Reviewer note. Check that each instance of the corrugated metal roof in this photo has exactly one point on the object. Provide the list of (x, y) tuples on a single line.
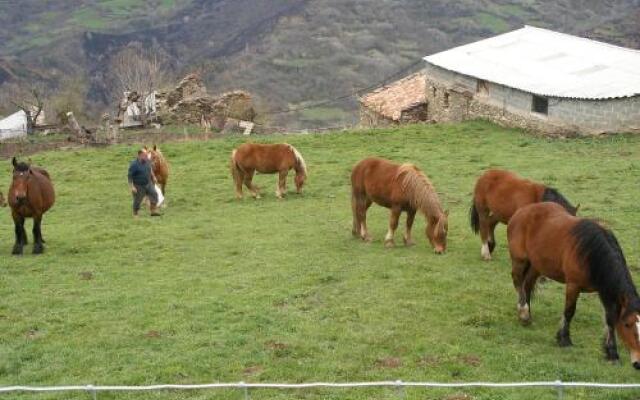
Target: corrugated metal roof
[(548, 63)]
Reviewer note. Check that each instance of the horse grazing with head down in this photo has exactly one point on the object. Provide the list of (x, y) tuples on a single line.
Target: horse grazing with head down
[(545, 240), (248, 158), (400, 188), (160, 166), (31, 194), (498, 194)]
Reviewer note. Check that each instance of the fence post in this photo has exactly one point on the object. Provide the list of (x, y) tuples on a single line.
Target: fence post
[(245, 390), (560, 389), (400, 389), (91, 389)]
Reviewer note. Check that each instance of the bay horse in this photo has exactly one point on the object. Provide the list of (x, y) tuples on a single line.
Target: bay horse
[(498, 194), (546, 240), (31, 194), (399, 187), (248, 158), (160, 166)]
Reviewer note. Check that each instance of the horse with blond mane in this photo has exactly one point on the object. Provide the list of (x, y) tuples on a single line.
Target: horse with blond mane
[(248, 158), (399, 187), (160, 166)]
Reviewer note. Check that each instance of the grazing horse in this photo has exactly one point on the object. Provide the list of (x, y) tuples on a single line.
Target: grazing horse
[(545, 240), (267, 159), (160, 166), (31, 194), (498, 195), (400, 188)]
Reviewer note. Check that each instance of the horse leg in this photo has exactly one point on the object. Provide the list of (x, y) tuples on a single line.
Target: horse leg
[(38, 248), (571, 293), (20, 234), (362, 207), (486, 233), (355, 230), (411, 215), (281, 186), (248, 178), (238, 180), (492, 237), (519, 270), (393, 225), (609, 345), (529, 283)]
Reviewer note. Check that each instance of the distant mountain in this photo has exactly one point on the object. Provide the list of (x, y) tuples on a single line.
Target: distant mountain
[(289, 53)]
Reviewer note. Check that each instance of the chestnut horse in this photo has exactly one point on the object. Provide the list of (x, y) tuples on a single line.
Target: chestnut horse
[(31, 194), (498, 195), (267, 159), (545, 240), (160, 166), (400, 188)]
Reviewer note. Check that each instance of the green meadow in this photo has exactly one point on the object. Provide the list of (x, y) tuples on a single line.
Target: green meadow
[(221, 290)]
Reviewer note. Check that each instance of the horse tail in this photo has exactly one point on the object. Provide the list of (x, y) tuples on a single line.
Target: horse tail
[(236, 171), (474, 217), (300, 164)]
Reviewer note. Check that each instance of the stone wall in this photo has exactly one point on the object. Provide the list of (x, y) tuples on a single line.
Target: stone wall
[(456, 97)]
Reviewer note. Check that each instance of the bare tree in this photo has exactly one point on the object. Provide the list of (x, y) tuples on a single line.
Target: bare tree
[(28, 98), (135, 69)]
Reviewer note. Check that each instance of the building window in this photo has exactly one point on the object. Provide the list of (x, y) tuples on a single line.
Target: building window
[(446, 99), (540, 105), (482, 88)]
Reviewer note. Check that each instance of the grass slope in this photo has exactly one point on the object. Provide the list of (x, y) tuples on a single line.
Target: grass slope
[(226, 290)]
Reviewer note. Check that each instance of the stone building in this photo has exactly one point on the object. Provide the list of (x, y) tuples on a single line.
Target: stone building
[(402, 101), (538, 80)]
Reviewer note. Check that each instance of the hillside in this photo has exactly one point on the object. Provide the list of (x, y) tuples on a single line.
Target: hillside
[(278, 290), (287, 52)]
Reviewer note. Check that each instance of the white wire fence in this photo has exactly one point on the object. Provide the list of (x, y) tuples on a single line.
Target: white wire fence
[(93, 391)]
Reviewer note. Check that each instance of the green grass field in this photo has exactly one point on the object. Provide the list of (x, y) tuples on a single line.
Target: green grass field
[(262, 291)]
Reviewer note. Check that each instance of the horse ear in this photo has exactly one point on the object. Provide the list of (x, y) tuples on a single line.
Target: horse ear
[(145, 148), (155, 147), (29, 162), (14, 162), (446, 212), (577, 207)]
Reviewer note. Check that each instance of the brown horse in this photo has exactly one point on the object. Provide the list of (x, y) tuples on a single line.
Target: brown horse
[(498, 195), (400, 188), (267, 159), (545, 240), (160, 166), (31, 194)]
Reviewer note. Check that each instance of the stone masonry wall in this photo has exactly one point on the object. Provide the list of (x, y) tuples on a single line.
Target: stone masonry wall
[(455, 97)]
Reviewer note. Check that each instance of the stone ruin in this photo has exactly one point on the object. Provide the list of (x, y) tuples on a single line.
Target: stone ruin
[(190, 103)]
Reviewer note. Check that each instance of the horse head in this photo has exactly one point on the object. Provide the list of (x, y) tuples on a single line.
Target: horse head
[(437, 230), (628, 328), (19, 186), (301, 176)]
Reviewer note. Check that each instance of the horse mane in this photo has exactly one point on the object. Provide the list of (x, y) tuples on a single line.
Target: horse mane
[(419, 189), (301, 166), (553, 195), (607, 265)]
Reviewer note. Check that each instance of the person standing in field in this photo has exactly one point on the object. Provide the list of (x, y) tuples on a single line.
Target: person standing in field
[(142, 183)]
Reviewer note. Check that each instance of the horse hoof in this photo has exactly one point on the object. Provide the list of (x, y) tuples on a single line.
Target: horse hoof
[(563, 341), (389, 244), (367, 239), (409, 243), (17, 251), (38, 249)]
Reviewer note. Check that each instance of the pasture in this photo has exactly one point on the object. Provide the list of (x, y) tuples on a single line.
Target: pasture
[(278, 290)]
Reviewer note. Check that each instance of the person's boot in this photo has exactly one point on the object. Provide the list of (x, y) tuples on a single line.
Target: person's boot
[(154, 211)]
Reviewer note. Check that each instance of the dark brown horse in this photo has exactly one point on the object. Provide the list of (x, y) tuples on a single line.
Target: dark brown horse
[(267, 159), (498, 195), (400, 188), (545, 240), (31, 194)]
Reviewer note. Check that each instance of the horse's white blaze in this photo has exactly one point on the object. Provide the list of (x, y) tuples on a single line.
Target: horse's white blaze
[(638, 326), (486, 254)]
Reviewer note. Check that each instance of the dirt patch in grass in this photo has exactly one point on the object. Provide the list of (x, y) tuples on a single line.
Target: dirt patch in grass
[(388, 362)]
